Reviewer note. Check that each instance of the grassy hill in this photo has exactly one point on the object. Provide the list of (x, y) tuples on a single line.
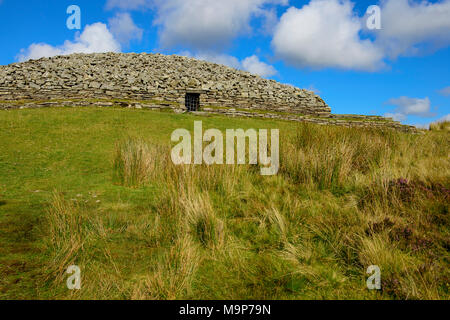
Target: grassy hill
[(96, 188)]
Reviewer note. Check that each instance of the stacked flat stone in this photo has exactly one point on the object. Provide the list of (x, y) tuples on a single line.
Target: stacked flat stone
[(151, 77)]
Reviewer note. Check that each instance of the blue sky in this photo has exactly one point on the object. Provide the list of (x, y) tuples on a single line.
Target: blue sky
[(401, 70)]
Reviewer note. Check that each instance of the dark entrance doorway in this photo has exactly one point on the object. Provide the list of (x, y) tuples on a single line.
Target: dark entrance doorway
[(192, 101)]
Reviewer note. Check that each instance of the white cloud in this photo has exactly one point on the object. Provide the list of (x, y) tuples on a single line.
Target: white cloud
[(406, 106), (396, 116), (123, 28), (254, 65), (313, 88), (127, 4), (207, 24), (38, 50), (413, 106), (444, 118), (422, 126), (325, 33), (321, 34), (413, 27), (94, 38), (224, 59), (427, 125), (251, 64), (270, 20), (445, 92)]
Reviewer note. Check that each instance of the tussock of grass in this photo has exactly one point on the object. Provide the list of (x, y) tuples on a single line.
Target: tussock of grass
[(132, 163), (440, 126), (172, 276), (201, 220), (326, 156), (67, 226)]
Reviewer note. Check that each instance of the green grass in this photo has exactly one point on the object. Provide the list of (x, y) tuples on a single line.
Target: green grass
[(440, 126), (89, 100), (95, 187), (307, 116)]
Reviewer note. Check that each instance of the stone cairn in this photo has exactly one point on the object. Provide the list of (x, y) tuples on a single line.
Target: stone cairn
[(156, 81)]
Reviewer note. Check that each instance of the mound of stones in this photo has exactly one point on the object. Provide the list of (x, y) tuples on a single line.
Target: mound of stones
[(156, 81), (151, 77)]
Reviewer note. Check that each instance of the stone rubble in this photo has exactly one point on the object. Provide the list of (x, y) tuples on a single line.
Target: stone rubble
[(151, 77), (155, 81)]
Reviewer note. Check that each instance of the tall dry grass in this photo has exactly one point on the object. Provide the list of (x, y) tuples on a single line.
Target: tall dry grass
[(344, 199), (327, 156), (440, 126), (133, 163), (67, 226), (172, 276)]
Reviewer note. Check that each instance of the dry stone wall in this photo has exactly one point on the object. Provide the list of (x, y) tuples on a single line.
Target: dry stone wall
[(157, 82), (151, 77)]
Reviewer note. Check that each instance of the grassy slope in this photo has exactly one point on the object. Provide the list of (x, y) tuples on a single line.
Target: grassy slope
[(219, 232)]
